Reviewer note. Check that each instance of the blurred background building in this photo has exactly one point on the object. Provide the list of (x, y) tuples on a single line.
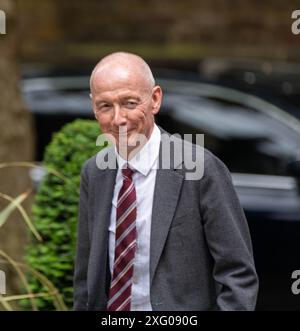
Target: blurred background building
[(54, 31)]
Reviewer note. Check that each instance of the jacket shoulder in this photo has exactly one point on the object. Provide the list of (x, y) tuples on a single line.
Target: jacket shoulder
[(91, 165)]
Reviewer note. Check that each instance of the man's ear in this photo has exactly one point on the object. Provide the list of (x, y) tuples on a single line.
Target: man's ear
[(156, 99), (91, 97)]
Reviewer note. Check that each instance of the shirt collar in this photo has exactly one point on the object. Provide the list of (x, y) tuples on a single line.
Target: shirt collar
[(145, 159)]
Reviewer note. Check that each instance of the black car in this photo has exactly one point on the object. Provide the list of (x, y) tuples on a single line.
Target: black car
[(258, 141)]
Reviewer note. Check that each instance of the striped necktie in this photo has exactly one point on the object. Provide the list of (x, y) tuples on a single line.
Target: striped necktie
[(120, 288)]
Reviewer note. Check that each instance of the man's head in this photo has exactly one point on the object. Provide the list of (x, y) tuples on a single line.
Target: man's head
[(125, 97)]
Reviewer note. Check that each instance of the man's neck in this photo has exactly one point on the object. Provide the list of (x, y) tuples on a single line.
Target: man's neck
[(129, 152)]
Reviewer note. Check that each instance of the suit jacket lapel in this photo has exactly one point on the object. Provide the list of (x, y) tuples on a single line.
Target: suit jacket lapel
[(166, 192)]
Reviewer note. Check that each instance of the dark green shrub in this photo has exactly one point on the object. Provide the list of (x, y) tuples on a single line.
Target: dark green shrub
[(55, 209)]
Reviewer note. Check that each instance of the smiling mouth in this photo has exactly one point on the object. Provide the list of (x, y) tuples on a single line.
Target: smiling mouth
[(122, 133)]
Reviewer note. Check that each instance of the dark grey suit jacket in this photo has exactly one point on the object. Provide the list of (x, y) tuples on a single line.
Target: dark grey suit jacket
[(200, 252)]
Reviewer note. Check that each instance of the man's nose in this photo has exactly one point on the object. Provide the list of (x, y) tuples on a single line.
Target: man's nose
[(119, 116)]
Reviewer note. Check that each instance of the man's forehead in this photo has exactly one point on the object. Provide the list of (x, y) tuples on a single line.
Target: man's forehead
[(118, 80), (117, 93), (120, 69), (117, 85)]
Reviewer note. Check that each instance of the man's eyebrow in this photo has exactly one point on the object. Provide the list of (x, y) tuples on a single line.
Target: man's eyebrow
[(122, 98), (100, 102), (131, 97)]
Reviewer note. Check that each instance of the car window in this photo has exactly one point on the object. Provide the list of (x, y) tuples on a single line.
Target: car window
[(244, 138)]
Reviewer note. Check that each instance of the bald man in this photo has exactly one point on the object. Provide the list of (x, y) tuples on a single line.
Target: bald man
[(148, 237)]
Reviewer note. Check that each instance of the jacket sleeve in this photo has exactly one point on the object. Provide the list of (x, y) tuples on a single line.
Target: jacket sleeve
[(83, 247), (228, 238)]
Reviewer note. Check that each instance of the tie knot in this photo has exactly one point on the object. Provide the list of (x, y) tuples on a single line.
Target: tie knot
[(127, 173)]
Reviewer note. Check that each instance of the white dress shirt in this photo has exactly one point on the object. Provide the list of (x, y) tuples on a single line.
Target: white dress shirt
[(145, 163)]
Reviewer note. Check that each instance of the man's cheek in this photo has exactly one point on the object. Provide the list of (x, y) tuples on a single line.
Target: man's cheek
[(141, 114)]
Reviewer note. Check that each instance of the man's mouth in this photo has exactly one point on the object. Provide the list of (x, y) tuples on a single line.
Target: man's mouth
[(122, 133)]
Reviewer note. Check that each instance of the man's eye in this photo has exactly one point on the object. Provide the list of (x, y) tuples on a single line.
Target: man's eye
[(131, 104), (104, 107)]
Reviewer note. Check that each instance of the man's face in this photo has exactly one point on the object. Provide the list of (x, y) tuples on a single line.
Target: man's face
[(125, 106)]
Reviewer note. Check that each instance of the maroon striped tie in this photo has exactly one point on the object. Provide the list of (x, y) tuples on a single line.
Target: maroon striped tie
[(120, 288)]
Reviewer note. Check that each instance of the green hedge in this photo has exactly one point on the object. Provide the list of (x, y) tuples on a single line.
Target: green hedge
[(55, 209)]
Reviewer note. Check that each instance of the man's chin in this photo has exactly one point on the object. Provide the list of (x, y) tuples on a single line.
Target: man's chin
[(131, 145)]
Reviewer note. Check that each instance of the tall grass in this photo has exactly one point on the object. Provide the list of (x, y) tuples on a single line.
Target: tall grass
[(21, 269)]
